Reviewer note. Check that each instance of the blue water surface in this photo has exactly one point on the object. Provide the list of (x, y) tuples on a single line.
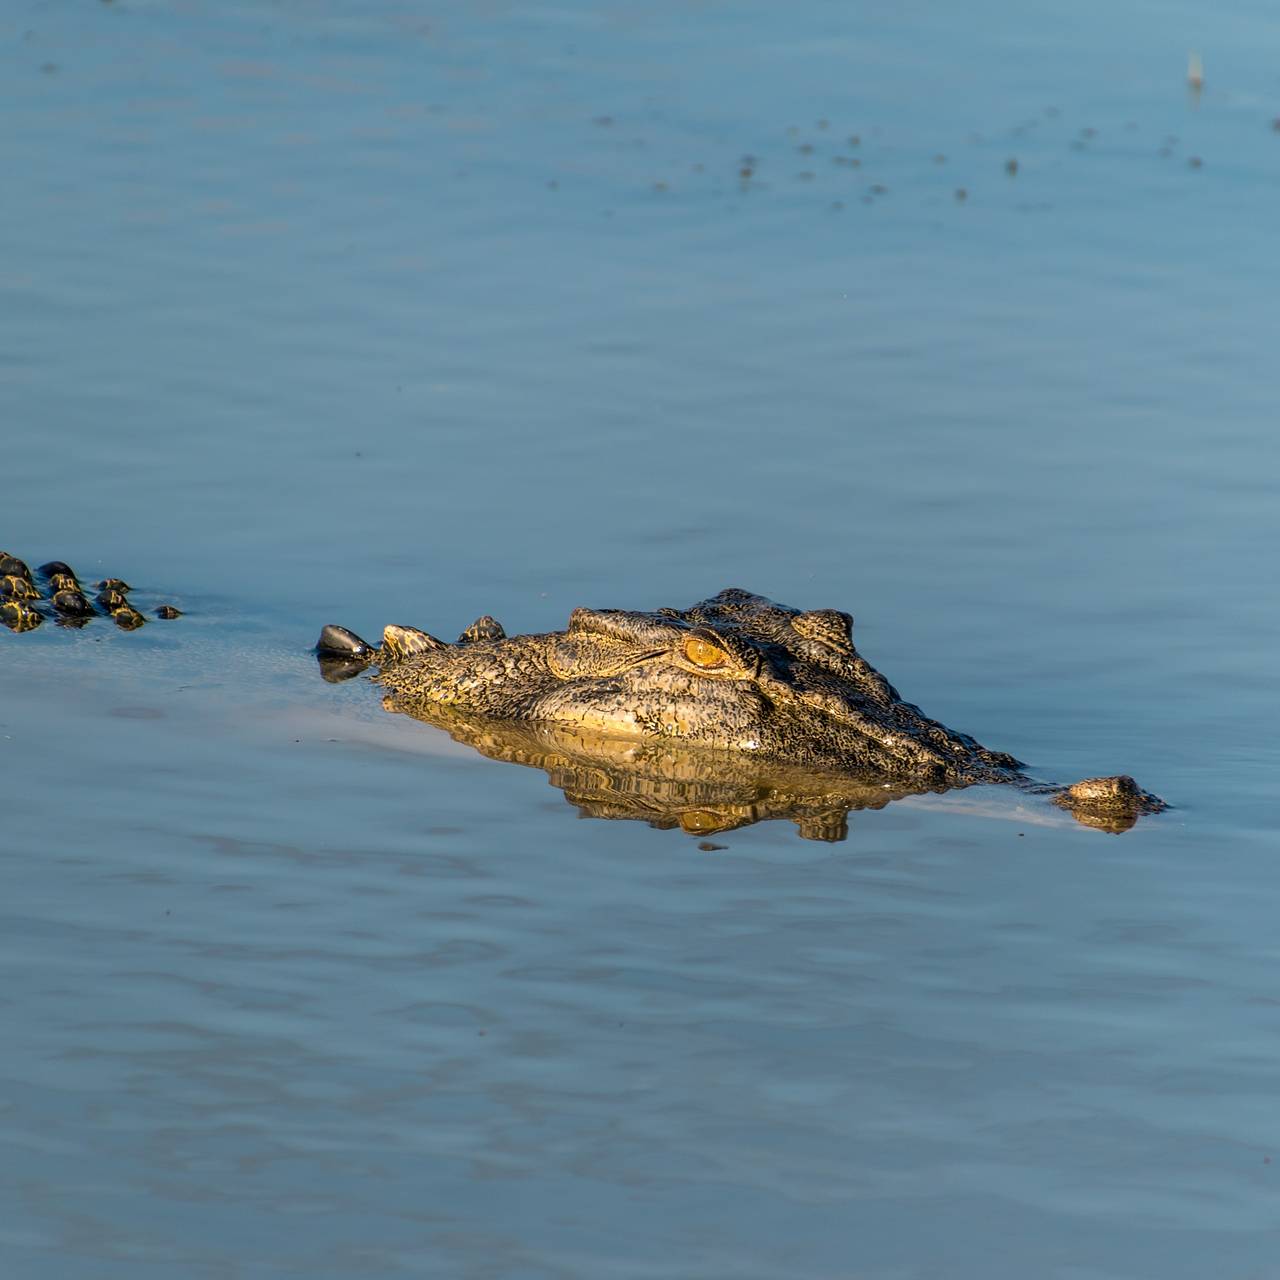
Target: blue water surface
[(960, 318)]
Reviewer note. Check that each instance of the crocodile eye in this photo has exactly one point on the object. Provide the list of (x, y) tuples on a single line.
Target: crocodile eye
[(704, 654)]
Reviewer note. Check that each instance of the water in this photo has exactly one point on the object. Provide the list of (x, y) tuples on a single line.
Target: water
[(363, 314)]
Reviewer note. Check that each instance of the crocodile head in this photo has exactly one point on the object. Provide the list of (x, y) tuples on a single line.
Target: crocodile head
[(735, 672)]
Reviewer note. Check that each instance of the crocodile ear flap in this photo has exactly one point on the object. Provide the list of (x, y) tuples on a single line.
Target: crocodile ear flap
[(829, 627), (400, 642)]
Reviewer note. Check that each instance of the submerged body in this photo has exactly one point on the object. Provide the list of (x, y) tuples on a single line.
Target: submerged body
[(734, 673)]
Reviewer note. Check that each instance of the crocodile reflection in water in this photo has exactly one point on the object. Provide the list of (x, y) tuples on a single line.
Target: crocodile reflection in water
[(771, 695), (702, 792)]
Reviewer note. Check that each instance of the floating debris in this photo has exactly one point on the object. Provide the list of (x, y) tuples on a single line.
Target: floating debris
[(1195, 70), (1011, 167)]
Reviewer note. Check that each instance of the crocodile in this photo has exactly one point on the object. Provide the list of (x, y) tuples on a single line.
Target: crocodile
[(736, 675), (55, 590)]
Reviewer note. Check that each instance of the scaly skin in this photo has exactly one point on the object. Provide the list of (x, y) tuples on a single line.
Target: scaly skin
[(733, 673), (26, 599)]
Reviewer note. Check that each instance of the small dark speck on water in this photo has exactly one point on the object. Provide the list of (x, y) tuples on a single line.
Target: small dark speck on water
[(1195, 162), (961, 194), (1011, 167), (1275, 125), (708, 846)]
